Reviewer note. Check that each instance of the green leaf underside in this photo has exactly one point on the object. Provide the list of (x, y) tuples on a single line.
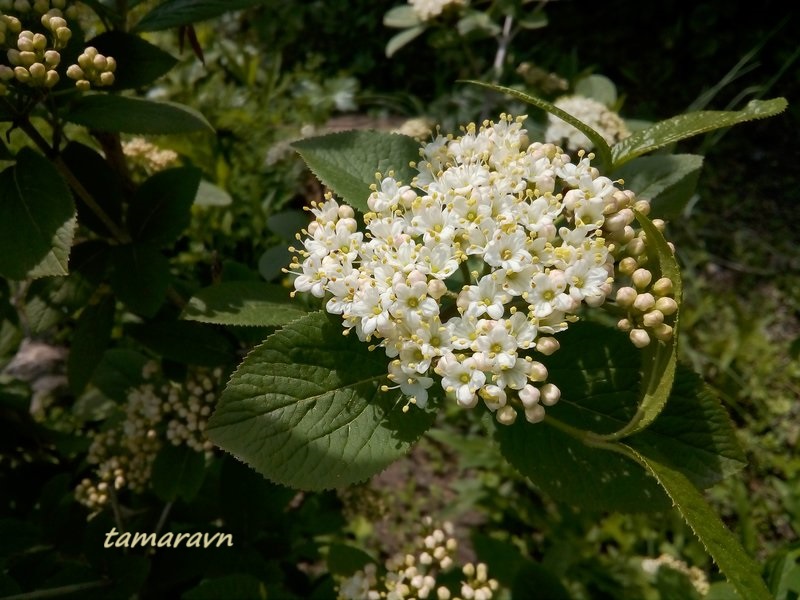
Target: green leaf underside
[(601, 147), (347, 162), (37, 219), (161, 208), (402, 39), (139, 62), (598, 372), (659, 358), (123, 114), (89, 341), (248, 303), (305, 409), (668, 181), (688, 125), (174, 13), (723, 546)]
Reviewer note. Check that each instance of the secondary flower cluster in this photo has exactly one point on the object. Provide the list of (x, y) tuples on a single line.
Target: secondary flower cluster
[(414, 575), (34, 56), (595, 114), (430, 9), (155, 414), (468, 272)]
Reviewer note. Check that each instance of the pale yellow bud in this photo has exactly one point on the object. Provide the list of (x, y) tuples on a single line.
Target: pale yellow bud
[(639, 338), (13, 57), (99, 62), (626, 296), (22, 74), (663, 287), (535, 414), (52, 58), (6, 73), (547, 345), (38, 72), (83, 85), (549, 394), (26, 59), (106, 78), (627, 265), (39, 41), (624, 325), (75, 72), (642, 206), (642, 278), (111, 66), (644, 302), (667, 306), (51, 79), (653, 318)]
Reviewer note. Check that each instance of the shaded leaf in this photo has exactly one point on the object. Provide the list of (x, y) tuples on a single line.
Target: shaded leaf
[(243, 303), (89, 340), (119, 370), (238, 586), (37, 219), (305, 409), (344, 560), (286, 224), (209, 194), (139, 63), (140, 277), (124, 114), (178, 472), (347, 162), (273, 261), (99, 179), (184, 341), (400, 17), (173, 13), (668, 181), (688, 125), (597, 87), (403, 38), (161, 209)]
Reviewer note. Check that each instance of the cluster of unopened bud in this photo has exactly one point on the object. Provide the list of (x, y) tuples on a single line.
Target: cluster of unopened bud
[(649, 302), (26, 6), (32, 63), (414, 574), (145, 158), (123, 454), (93, 69)]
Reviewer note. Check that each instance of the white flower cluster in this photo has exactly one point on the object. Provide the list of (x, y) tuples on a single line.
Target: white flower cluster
[(154, 414), (414, 575), (429, 9), (465, 273), (34, 57), (696, 576), (146, 157), (595, 114)]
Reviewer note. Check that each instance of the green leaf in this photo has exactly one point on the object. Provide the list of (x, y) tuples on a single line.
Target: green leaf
[(668, 181), (89, 340), (536, 20), (140, 277), (123, 114), (783, 573), (249, 303), (161, 209), (345, 560), (402, 39), (184, 341), (742, 572), (273, 261), (238, 586), (119, 370), (102, 183), (477, 24), (601, 147), (660, 359), (173, 13), (288, 223), (347, 162), (209, 194), (5, 153), (139, 63), (37, 219), (178, 472), (597, 87), (305, 409), (688, 125), (401, 17)]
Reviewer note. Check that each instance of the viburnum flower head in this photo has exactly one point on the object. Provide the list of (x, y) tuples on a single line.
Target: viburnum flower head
[(464, 274)]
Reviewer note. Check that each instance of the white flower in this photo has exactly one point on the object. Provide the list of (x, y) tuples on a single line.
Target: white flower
[(591, 112)]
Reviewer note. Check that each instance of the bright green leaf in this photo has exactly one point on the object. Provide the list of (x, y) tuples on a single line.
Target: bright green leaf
[(401, 17), (139, 63), (123, 114), (173, 13), (601, 147), (249, 303), (161, 209), (402, 39), (184, 341), (668, 181), (597, 87), (724, 547), (347, 162), (37, 219), (305, 409), (178, 472), (89, 340), (140, 277), (209, 194), (688, 125)]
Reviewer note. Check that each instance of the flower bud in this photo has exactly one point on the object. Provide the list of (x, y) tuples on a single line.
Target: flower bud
[(535, 414), (111, 66), (639, 338), (99, 62), (663, 332), (39, 42), (6, 73), (627, 265), (642, 278), (626, 296), (663, 287), (667, 306), (537, 371), (636, 247), (506, 415), (75, 72), (85, 86), (653, 318), (106, 78), (51, 79), (26, 59), (436, 288), (52, 58), (624, 325), (529, 395), (644, 302), (38, 72), (13, 57), (22, 74), (63, 34), (550, 394), (642, 206), (659, 224), (547, 345)]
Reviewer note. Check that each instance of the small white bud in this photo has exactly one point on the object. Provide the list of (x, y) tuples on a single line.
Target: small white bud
[(52, 58), (642, 278), (535, 414), (663, 332), (642, 206), (627, 265), (547, 345), (106, 78), (529, 396), (636, 247), (550, 394), (624, 325), (537, 371), (653, 318), (75, 72), (506, 415), (626, 296), (639, 338), (644, 302), (663, 287), (668, 306)]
